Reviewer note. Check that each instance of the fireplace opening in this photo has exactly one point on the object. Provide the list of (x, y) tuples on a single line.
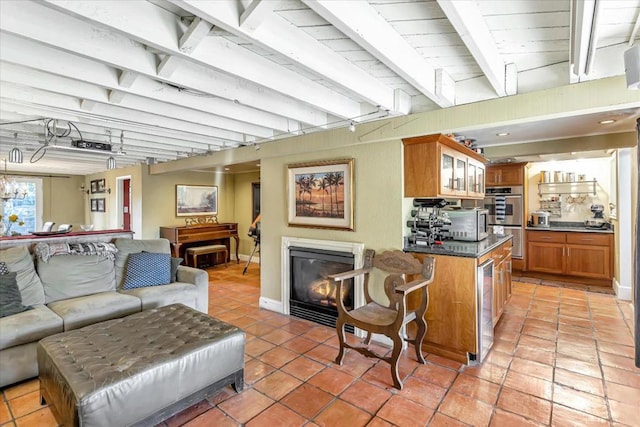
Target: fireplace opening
[(312, 295)]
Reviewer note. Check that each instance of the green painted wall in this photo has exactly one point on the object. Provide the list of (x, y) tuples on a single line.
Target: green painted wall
[(244, 208)]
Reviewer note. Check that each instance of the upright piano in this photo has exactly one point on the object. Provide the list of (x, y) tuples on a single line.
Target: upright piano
[(183, 237)]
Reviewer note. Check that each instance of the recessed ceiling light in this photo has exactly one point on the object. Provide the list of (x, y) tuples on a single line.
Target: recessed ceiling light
[(606, 122), (502, 134), (227, 169)]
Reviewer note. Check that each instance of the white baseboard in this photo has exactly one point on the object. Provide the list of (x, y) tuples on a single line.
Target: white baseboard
[(271, 304), (622, 292), (244, 258)]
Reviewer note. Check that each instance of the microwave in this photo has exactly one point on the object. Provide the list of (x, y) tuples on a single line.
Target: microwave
[(468, 224)]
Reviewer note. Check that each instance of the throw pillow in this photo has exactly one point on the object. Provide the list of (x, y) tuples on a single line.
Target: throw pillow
[(147, 269), (10, 298), (19, 260), (3, 268), (175, 262)]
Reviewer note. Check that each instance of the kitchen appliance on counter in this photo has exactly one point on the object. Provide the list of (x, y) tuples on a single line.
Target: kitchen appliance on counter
[(598, 220), (484, 288), (513, 214), (540, 219), (428, 225), (469, 225)]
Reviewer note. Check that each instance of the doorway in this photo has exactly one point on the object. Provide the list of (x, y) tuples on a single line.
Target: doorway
[(124, 202)]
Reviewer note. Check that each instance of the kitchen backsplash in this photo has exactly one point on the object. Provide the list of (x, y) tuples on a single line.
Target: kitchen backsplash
[(570, 201)]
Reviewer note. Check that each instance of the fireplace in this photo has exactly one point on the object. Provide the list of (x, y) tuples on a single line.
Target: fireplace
[(306, 291), (313, 296)]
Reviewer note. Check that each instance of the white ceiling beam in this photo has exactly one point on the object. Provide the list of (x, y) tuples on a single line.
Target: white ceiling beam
[(158, 28), (196, 32), (364, 25), (256, 13), (583, 38), (127, 78), (40, 80), (470, 25), (30, 54), (51, 28), (277, 35)]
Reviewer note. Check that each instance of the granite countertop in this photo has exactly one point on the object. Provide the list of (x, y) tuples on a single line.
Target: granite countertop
[(572, 226), (461, 249)]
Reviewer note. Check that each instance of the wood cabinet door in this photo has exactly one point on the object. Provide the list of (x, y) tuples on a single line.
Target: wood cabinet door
[(512, 175), (546, 257), (447, 171), (475, 171), (589, 261), (508, 268), (492, 176), (498, 292)]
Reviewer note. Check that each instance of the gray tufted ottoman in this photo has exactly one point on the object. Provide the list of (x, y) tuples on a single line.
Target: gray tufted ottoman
[(140, 369)]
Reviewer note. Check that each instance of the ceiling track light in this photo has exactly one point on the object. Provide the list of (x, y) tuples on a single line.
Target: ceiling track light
[(352, 126)]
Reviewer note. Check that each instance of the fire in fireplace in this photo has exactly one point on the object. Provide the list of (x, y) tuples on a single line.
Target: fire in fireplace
[(312, 295)]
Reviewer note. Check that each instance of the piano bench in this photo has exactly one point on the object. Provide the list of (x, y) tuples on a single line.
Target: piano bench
[(194, 252)]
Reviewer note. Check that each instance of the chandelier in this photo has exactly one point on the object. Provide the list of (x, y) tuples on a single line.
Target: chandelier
[(9, 188)]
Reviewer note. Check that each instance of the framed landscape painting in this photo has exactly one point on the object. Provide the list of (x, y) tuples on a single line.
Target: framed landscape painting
[(196, 200), (320, 194)]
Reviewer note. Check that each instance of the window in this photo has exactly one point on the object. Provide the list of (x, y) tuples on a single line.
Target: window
[(28, 209)]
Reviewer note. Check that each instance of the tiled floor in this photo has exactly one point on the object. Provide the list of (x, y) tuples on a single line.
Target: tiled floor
[(562, 357)]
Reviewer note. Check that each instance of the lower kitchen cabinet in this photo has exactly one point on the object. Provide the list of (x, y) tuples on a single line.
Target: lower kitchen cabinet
[(569, 253), (501, 279)]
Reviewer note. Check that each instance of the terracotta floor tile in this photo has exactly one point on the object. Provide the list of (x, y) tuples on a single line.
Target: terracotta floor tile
[(366, 396), (477, 388), (580, 382), (581, 401), (257, 346), (356, 364), (591, 368), (498, 358), (535, 355), (502, 418), (342, 413), (25, 404), (379, 422), (5, 415), (620, 362), (307, 400), (319, 334), (534, 369), (246, 405), (40, 418), (259, 329), (466, 409), (188, 414), (331, 380), (323, 353), (422, 392), (526, 405), (621, 376), (563, 416), (436, 374), (573, 329), (278, 336), (404, 412), (441, 420), (277, 415), (213, 417), (504, 346), (622, 393), (546, 334), (278, 356), (300, 344), (303, 368), (22, 388), (448, 363), (620, 350), (243, 322), (536, 343), (624, 413), (255, 369), (277, 384), (529, 385), (380, 375), (495, 374), (222, 395)]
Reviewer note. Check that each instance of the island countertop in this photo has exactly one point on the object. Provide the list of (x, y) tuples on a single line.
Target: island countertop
[(461, 249), (71, 237)]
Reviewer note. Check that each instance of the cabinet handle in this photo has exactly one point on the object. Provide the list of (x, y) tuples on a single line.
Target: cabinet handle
[(568, 252), (563, 251)]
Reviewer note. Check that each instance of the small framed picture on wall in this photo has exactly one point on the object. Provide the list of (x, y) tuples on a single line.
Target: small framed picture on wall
[(94, 205)]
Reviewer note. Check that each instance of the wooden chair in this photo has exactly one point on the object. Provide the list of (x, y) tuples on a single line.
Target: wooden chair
[(387, 320)]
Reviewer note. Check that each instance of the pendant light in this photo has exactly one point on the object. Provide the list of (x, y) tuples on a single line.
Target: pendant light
[(111, 162), (15, 155)]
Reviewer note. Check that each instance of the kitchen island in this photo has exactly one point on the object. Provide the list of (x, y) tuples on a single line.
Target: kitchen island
[(453, 315)]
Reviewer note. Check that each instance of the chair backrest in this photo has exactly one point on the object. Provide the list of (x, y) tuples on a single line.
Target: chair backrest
[(397, 262)]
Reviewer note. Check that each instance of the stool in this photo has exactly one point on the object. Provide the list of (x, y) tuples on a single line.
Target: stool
[(140, 369), (193, 253)]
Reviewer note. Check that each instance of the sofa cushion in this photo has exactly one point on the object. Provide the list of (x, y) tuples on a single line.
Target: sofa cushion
[(10, 298), (83, 311), (3, 268), (159, 296), (175, 262), (19, 259), (28, 326), (71, 276), (132, 246), (147, 269)]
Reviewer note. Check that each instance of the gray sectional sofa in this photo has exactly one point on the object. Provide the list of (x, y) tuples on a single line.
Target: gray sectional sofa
[(71, 291)]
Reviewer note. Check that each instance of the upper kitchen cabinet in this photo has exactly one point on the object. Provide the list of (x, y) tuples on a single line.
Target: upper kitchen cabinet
[(438, 166), (505, 175)]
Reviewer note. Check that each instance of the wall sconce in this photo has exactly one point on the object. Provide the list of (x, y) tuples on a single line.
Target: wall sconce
[(83, 189)]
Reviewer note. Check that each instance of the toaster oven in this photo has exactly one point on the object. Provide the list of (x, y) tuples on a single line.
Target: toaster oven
[(468, 224)]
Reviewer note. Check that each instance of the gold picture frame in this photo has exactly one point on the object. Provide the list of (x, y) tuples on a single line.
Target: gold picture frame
[(192, 200), (321, 194)]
